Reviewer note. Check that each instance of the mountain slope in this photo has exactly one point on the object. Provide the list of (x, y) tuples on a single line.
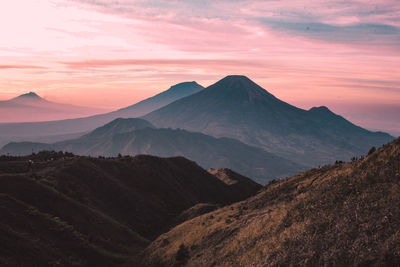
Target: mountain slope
[(207, 151), (31, 131), (339, 215), (31, 107), (174, 93), (236, 107), (240, 183), (118, 126), (60, 209)]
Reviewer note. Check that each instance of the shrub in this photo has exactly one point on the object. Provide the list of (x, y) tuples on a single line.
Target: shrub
[(182, 254), (372, 150)]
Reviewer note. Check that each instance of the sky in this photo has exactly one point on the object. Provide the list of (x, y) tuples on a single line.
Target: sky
[(111, 54)]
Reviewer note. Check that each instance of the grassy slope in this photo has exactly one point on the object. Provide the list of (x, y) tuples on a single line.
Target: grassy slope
[(338, 215)]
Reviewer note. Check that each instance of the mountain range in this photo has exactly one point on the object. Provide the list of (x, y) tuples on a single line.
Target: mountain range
[(238, 108), (66, 210), (53, 131), (233, 123), (137, 136), (30, 107)]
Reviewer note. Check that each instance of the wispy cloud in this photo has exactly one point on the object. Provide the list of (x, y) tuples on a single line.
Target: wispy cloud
[(102, 63), (352, 33), (21, 67)]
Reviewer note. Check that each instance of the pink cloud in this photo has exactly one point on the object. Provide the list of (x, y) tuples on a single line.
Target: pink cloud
[(104, 63), (20, 67), (114, 53)]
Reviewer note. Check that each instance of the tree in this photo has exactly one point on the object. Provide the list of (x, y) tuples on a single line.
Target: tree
[(182, 254), (372, 150)]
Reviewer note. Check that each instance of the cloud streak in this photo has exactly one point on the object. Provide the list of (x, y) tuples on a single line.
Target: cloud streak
[(20, 67), (104, 63)]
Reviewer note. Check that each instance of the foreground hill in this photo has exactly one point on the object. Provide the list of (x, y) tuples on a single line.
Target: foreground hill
[(137, 136), (339, 215), (53, 131), (238, 108), (31, 107), (60, 209)]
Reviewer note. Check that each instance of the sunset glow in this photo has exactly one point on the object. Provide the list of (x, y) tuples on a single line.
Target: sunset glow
[(111, 54)]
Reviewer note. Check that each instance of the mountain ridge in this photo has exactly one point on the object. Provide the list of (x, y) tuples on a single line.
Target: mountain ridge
[(238, 108), (137, 136)]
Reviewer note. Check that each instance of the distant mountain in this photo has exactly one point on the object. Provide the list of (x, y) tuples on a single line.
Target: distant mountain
[(32, 107), (28, 97), (137, 136), (344, 214), (55, 130), (174, 93), (60, 209), (236, 107)]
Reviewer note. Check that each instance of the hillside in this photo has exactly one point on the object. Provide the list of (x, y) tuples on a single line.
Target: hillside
[(137, 136), (338, 215), (238, 108), (61, 209), (58, 130)]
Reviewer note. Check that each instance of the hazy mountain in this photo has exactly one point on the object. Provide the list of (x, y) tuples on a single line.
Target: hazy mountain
[(31, 107), (339, 215), (136, 136), (174, 93), (236, 107), (60, 209), (55, 130)]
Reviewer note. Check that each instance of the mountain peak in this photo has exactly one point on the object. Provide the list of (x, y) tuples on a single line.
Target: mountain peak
[(164, 98), (236, 77), (30, 95), (120, 125), (320, 110), (239, 88), (185, 86)]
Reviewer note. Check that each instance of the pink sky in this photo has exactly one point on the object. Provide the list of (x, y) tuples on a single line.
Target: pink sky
[(110, 54)]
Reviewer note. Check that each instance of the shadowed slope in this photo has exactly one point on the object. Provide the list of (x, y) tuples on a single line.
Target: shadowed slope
[(63, 209)]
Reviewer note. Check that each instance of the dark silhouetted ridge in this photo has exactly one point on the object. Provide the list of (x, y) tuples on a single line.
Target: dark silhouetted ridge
[(66, 210)]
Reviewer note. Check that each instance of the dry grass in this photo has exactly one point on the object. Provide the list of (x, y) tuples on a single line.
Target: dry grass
[(339, 215)]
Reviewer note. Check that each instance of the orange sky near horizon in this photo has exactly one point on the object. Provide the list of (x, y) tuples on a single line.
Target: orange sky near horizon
[(111, 54)]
